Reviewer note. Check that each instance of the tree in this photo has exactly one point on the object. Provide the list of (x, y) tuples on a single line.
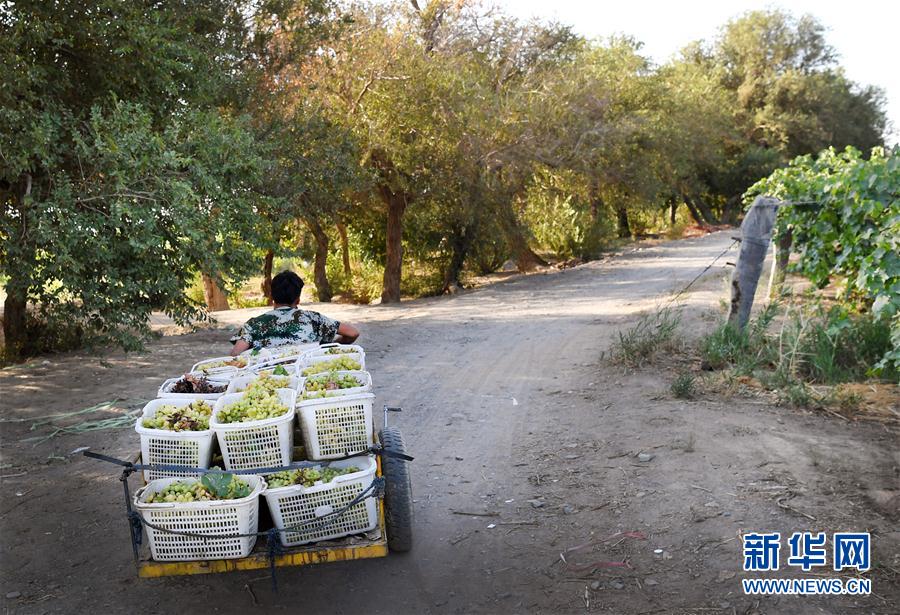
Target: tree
[(122, 122), (790, 94)]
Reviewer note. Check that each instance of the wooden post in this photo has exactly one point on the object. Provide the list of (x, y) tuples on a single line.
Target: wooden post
[(756, 234)]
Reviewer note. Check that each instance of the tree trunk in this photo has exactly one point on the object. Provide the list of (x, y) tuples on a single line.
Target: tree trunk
[(673, 209), (701, 211), (396, 205), (526, 258), (732, 210), (623, 226), (461, 242), (15, 306), (216, 299), (14, 334), (267, 274), (596, 201), (345, 248), (320, 273)]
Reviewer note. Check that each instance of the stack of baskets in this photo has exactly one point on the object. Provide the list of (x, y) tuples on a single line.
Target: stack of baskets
[(333, 422)]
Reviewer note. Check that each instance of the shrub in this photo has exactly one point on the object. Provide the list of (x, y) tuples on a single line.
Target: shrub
[(684, 386), (654, 331)]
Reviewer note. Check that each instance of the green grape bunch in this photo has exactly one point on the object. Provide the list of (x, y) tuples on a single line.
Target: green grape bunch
[(255, 405), (210, 487), (306, 476), (193, 417), (340, 351), (340, 429), (269, 383), (238, 362), (331, 382), (334, 365)]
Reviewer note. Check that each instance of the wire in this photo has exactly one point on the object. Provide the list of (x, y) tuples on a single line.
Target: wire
[(700, 275)]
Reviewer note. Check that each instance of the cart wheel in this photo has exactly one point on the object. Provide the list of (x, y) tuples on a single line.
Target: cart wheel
[(397, 492)]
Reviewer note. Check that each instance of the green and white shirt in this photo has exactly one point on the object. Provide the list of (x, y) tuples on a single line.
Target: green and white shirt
[(287, 325)]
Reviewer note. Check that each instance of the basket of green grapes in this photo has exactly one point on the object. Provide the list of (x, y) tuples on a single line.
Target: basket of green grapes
[(269, 380), (175, 432), (334, 357), (255, 428), (334, 384), (298, 498), (179, 513)]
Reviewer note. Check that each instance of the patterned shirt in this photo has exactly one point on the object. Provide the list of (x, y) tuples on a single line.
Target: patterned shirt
[(287, 325)]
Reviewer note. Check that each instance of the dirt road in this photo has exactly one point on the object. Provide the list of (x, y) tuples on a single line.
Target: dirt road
[(511, 411)]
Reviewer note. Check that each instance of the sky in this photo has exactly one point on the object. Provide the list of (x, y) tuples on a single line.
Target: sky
[(863, 32)]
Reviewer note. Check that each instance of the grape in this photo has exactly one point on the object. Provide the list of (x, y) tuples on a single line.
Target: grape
[(239, 362), (331, 382), (334, 365), (255, 405), (317, 395), (288, 351), (196, 491), (193, 417), (268, 383), (306, 476), (340, 351), (341, 427)]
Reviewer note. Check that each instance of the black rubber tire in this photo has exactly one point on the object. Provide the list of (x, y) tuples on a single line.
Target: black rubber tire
[(398, 511)]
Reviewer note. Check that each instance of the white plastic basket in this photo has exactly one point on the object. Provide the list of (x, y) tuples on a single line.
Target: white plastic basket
[(256, 444), (226, 371), (285, 354), (364, 379), (164, 447), (216, 517), (336, 426), (240, 383), (320, 355), (166, 390), (295, 505), (266, 368)]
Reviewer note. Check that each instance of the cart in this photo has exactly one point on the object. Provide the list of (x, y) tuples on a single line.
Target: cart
[(393, 532)]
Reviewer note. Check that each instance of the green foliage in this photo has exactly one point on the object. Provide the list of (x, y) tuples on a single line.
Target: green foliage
[(684, 386), (654, 332), (846, 222), (726, 345), (101, 251), (144, 145), (790, 94), (224, 486), (812, 345)]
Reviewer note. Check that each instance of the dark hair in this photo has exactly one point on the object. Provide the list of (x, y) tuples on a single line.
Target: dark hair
[(286, 288)]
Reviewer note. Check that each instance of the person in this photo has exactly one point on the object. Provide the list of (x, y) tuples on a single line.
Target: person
[(288, 324)]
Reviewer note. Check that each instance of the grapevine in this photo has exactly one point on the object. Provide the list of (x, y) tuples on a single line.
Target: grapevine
[(193, 417), (843, 211)]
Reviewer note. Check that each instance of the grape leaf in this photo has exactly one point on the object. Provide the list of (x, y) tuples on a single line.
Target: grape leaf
[(280, 371), (217, 484)]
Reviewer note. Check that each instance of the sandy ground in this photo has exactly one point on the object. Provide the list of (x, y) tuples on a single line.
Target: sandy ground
[(512, 411)]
